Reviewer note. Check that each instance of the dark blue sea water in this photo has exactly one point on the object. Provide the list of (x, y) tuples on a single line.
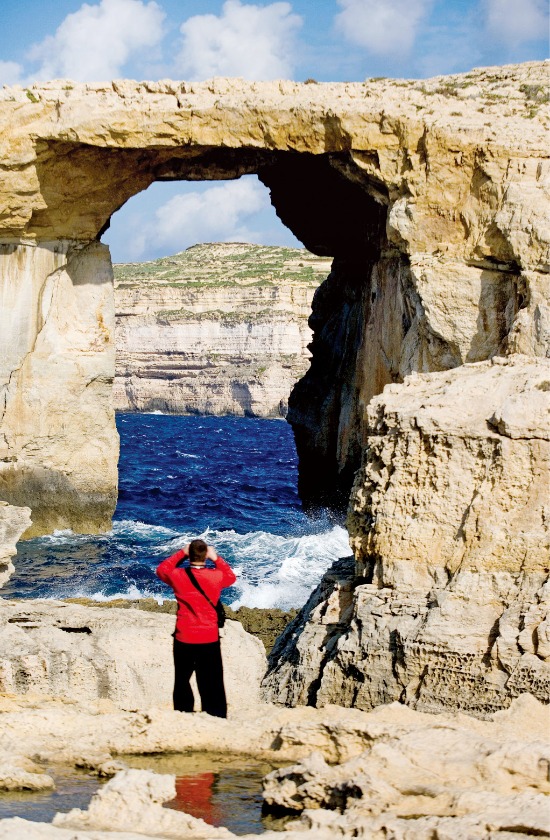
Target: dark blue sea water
[(230, 480)]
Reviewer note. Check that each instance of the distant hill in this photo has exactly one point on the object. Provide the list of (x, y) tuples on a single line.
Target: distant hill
[(219, 328)]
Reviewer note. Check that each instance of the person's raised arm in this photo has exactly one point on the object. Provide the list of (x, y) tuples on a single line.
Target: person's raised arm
[(164, 570), (229, 576)]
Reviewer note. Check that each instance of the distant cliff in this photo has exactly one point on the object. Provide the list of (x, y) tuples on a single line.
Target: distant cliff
[(216, 329)]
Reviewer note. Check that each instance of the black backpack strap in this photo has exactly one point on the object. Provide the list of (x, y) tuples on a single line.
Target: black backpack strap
[(197, 585)]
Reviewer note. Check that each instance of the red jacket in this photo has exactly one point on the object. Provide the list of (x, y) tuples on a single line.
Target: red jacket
[(197, 621)]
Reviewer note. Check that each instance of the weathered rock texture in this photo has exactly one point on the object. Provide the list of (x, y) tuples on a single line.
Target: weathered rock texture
[(265, 624), (217, 329), (393, 772), (13, 522), (132, 801), (432, 775), (430, 196), (122, 657), (448, 602), (58, 440)]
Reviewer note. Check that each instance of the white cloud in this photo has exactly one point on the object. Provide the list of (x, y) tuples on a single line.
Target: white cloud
[(514, 21), (384, 27), (94, 43), (216, 214), (10, 73), (255, 42)]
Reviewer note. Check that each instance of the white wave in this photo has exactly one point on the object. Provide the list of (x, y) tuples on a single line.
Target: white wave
[(141, 530), (277, 571), (132, 593), (68, 537), (121, 528), (186, 455), (272, 571)]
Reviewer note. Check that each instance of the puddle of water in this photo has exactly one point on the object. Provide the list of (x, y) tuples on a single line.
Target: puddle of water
[(74, 789), (223, 790)]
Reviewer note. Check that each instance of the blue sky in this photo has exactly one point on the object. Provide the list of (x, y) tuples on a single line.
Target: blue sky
[(329, 40)]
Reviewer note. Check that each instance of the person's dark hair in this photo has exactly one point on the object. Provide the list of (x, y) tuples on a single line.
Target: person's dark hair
[(197, 551)]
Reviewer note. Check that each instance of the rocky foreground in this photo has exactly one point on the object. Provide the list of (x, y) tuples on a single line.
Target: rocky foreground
[(218, 329), (86, 687), (388, 773)]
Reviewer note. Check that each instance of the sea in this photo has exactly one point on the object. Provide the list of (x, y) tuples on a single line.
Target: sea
[(229, 480)]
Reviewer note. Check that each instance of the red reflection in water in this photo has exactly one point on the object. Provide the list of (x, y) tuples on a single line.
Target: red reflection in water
[(194, 796)]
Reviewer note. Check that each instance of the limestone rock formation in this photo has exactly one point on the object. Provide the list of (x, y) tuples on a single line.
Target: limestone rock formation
[(59, 444), (13, 522), (121, 657), (24, 775), (430, 196), (392, 772), (420, 773), (218, 329), (265, 624), (447, 604)]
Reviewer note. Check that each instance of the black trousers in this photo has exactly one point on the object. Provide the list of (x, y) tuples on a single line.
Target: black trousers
[(206, 661)]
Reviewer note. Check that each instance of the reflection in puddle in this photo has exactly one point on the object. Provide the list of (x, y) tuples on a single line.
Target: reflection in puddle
[(223, 790), (195, 796), (220, 789)]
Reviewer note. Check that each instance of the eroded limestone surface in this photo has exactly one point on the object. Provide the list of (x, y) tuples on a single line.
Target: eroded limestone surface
[(120, 657), (431, 196), (436, 775), (13, 522), (58, 440), (392, 772), (447, 603)]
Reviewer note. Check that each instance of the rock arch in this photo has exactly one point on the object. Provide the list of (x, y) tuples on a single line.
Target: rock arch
[(433, 215)]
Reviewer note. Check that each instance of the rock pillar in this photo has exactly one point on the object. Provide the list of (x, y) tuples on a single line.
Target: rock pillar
[(58, 439)]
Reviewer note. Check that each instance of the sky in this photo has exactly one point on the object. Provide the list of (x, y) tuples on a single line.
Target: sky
[(326, 40)]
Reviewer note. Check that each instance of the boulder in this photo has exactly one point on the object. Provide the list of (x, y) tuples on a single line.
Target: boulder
[(52, 649), (446, 605)]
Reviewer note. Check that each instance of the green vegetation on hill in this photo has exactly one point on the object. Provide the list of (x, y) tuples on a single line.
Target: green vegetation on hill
[(236, 317), (227, 264)]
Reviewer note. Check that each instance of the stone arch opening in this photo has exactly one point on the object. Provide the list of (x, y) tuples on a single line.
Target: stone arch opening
[(336, 211), (314, 196), (212, 299)]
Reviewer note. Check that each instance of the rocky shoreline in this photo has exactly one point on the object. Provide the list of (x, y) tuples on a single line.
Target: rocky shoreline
[(264, 624), (390, 772), (86, 686)]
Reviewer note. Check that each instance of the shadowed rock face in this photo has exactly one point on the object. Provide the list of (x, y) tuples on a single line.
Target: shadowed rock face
[(429, 196)]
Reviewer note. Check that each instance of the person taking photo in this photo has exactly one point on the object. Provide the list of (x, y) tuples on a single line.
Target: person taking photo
[(197, 574)]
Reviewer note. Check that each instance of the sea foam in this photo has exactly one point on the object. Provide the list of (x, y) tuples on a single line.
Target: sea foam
[(229, 480)]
